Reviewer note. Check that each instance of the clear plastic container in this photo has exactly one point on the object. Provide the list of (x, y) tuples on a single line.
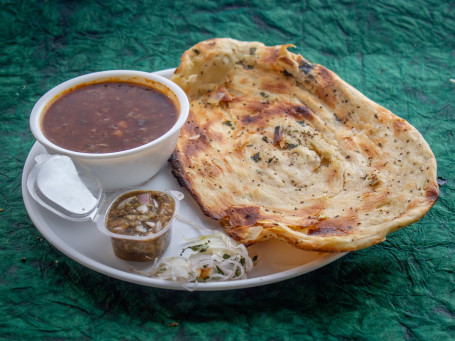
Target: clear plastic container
[(73, 192), (142, 243)]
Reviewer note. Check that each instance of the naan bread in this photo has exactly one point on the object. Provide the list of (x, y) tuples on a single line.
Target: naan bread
[(278, 147)]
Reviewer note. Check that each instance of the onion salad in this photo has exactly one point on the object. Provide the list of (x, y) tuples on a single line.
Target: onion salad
[(214, 257)]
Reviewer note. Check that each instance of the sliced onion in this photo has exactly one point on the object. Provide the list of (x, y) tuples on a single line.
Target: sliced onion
[(226, 259), (123, 203), (176, 269), (158, 226), (143, 198), (150, 223), (143, 209), (140, 228)]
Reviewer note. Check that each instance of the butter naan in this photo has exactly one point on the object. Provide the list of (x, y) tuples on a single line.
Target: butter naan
[(278, 147)]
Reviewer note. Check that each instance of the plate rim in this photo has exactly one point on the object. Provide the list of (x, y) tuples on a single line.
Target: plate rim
[(47, 232)]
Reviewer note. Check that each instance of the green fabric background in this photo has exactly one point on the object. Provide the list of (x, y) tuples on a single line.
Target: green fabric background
[(398, 53)]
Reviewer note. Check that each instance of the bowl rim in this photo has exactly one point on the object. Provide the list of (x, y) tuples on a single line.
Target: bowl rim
[(41, 104)]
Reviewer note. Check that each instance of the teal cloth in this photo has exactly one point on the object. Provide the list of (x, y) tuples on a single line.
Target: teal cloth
[(398, 53)]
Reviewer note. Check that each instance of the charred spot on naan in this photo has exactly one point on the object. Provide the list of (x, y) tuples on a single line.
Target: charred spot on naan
[(400, 125), (432, 193), (241, 216)]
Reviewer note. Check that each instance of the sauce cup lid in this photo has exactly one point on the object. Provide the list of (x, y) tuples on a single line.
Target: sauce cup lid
[(67, 189), (73, 192)]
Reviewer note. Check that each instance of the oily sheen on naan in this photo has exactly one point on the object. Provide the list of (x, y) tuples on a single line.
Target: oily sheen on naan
[(278, 147)]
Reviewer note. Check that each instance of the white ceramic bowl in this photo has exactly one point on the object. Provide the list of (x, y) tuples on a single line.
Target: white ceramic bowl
[(125, 168)]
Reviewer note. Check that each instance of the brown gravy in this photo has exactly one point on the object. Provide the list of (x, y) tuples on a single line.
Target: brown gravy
[(140, 213), (108, 117)]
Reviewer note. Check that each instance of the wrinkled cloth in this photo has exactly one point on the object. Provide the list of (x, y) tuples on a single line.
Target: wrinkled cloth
[(398, 53)]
